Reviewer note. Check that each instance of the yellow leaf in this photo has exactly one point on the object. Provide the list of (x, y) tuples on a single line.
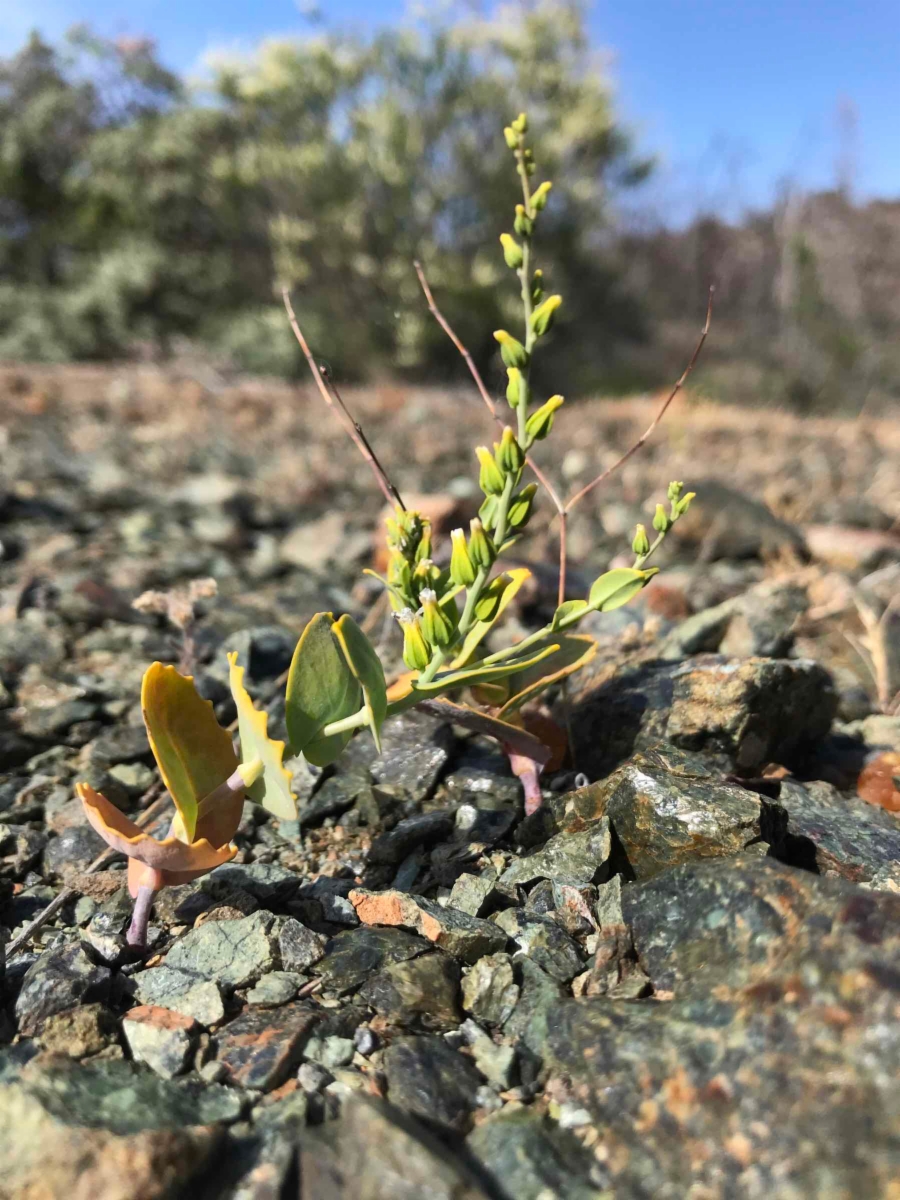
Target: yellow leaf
[(272, 789), (194, 753)]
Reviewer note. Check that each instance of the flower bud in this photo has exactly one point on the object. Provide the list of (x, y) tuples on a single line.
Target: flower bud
[(512, 138), (436, 625), (481, 548), (641, 543), (490, 478), (509, 454), (514, 387), (520, 507), (512, 351), (523, 224), (542, 317), (539, 198), (681, 506), (528, 159), (488, 512), (512, 251), (462, 569), (661, 521), (540, 422), (537, 286), (415, 649), (675, 490), (520, 124), (426, 575)]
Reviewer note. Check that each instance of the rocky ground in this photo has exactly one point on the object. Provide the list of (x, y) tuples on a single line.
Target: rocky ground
[(681, 977)]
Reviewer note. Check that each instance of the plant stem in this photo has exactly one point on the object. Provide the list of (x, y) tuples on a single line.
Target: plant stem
[(140, 918)]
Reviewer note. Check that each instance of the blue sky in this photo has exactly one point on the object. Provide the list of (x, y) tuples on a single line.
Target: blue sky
[(734, 96)]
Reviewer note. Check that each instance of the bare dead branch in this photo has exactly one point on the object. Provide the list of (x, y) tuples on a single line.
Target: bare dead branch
[(333, 399), (601, 478)]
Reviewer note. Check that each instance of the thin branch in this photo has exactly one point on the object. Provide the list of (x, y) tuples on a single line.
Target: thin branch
[(333, 399), (479, 382), (588, 488), (69, 893)]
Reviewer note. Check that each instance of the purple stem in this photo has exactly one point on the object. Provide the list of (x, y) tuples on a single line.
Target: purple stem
[(140, 917)]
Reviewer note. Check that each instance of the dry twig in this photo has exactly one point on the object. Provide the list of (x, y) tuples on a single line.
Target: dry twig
[(332, 398)]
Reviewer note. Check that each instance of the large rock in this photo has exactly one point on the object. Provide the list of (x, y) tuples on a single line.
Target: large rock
[(377, 1152), (773, 1069), (666, 807), (107, 1130), (528, 1157), (460, 934), (743, 712), (259, 1048)]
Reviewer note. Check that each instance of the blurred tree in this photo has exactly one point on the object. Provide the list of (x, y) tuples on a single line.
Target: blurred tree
[(134, 210)]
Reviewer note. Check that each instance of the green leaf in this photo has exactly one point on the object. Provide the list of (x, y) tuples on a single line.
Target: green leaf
[(272, 788), (194, 753), (480, 674), (573, 651), (617, 587), (566, 611), (321, 688), (367, 669), (480, 629)]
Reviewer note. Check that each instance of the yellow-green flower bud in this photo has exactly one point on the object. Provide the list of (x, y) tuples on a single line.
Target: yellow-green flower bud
[(436, 625), (488, 512), (512, 351), (462, 569), (661, 521), (523, 224), (490, 479), (512, 251), (514, 387), (539, 197), (512, 138), (520, 507), (542, 317), (681, 506), (540, 422), (520, 124), (641, 543), (481, 548), (675, 490), (528, 159), (509, 454), (415, 648), (426, 574), (537, 286)]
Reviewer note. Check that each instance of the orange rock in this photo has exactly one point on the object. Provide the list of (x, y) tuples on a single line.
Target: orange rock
[(879, 781)]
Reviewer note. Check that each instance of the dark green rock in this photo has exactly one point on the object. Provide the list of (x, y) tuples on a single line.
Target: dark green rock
[(741, 712), (539, 1000), (183, 993), (421, 830), (74, 850), (543, 942), (415, 750), (355, 954), (663, 817), (59, 980), (814, 826), (489, 990), (528, 1157), (233, 953), (778, 1053), (568, 858), (300, 948), (377, 1152), (422, 992), (430, 1080)]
